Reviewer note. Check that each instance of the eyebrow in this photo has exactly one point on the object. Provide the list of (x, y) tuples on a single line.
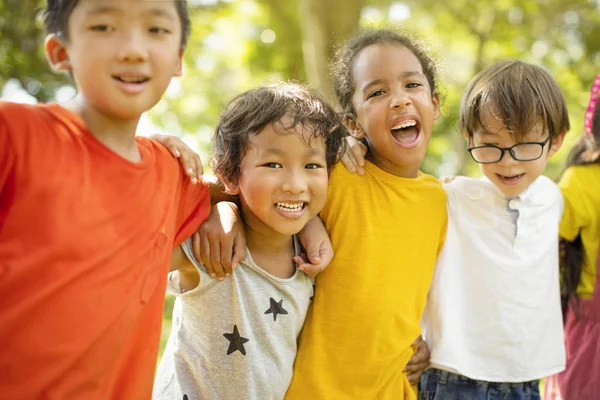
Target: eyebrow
[(274, 151), (404, 75), (159, 12)]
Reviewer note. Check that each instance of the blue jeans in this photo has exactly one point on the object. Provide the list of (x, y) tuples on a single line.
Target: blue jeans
[(441, 385)]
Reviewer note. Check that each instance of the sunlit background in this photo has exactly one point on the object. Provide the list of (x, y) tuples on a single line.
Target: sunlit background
[(238, 44)]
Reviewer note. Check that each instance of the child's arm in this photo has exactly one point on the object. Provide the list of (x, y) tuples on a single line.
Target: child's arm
[(189, 277), (318, 248), (418, 362), (220, 242), (353, 157)]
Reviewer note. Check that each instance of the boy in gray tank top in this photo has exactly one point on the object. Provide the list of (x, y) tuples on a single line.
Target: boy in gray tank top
[(237, 338)]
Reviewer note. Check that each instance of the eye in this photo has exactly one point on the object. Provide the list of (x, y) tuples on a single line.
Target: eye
[(375, 93), (413, 85), (101, 28), (159, 31), (272, 165), (313, 166)]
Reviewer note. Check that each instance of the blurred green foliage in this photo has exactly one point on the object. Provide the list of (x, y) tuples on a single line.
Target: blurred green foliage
[(237, 44)]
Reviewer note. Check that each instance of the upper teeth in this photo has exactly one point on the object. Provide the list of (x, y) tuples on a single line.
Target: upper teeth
[(290, 206), (129, 79), (404, 124)]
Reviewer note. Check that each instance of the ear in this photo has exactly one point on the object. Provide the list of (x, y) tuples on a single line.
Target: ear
[(435, 100), (353, 126), (231, 188), (56, 53), (556, 143), (179, 65)]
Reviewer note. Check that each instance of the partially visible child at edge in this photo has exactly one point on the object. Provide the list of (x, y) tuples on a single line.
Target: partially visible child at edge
[(580, 230), (387, 228), (274, 147), (493, 319), (89, 213)]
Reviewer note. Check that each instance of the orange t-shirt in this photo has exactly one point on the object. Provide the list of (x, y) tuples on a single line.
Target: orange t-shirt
[(85, 240)]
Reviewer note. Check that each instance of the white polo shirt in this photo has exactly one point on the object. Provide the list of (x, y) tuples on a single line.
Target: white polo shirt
[(493, 311)]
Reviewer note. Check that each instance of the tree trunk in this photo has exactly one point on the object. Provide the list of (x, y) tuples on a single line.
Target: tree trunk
[(324, 25)]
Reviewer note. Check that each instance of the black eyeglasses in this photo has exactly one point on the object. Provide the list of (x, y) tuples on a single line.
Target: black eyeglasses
[(489, 154)]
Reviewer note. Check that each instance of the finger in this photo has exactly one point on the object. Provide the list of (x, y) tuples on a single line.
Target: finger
[(205, 255), (226, 253), (215, 258), (199, 168), (414, 377), (413, 367), (358, 153), (239, 251), (196, 246), (174, 149), (348, 161), (326, 255)]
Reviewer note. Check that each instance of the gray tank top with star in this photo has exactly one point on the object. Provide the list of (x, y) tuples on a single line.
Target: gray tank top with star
[(234, 339)]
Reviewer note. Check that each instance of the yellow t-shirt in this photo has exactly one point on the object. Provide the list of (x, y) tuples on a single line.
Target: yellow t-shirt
[(580, 186), (387, 232)]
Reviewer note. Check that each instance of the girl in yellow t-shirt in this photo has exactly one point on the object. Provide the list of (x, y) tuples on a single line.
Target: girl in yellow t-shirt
[(580, 233)]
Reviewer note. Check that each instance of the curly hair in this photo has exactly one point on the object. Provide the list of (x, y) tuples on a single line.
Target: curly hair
[(342, 66), (57, 13), (250, 112)]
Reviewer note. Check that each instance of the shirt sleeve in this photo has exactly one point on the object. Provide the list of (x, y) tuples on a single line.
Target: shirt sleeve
[(194, 207), (444, 223), (575, 204), (7, 163)]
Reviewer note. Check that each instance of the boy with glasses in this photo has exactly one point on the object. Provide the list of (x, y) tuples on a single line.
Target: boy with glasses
[(493, 319)]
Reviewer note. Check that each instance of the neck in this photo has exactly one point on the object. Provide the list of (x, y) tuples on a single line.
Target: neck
[(409, 171), (116, 134), (272, 252)]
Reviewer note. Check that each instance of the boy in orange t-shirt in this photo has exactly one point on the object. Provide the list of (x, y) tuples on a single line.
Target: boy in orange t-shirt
[(89, 214)]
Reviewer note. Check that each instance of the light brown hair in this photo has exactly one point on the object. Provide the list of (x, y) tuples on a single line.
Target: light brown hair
[(519, 95)]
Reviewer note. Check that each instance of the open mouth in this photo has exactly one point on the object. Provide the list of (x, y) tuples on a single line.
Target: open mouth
[(406, 132), (508, 179), (291, 207), (131, 79)]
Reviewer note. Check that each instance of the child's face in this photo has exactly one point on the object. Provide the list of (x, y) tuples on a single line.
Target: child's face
[(122, 53), (283, 180), (394, 107), (512, 177)]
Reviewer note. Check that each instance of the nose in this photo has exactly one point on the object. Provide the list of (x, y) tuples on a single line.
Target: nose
[(399, 99), (294, 182), (507, 159), (132, 47)]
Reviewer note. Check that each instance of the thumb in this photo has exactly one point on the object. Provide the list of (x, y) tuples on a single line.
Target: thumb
[(239, 251)]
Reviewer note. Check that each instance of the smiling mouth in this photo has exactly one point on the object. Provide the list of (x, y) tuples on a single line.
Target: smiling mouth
[(512, 178), (291, 207), (406, 132), (131, 79)]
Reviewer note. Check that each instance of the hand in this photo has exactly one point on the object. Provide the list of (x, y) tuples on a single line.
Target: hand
[(220, 242), (190, 161), (353, 157), (318, 248), (418, 362), (447, 179)]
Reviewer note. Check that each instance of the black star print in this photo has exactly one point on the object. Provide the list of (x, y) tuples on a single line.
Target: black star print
[(236, 342), (276, 308), (185, 397)]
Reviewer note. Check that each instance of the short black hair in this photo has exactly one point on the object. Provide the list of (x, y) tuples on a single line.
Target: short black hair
[(250, 112), (57, 13), (342, 66)]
